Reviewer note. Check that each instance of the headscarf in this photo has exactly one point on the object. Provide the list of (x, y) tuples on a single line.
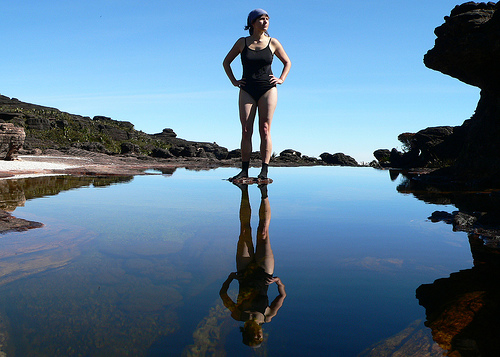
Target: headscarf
[(255, 14)]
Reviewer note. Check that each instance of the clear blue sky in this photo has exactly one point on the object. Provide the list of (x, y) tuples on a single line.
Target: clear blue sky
[(357, 79)]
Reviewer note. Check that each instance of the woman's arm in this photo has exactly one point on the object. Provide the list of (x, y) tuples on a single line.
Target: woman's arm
[(278, 301), (223, 293), (283, 57), (232, 54)]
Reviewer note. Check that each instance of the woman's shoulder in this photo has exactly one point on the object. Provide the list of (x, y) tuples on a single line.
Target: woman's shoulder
[(274, 44), (240, 43)]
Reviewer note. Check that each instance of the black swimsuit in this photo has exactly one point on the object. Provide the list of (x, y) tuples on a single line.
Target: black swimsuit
[(257, 70), (252, 295)]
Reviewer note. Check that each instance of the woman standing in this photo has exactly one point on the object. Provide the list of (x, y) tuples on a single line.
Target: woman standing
[(258, 91)]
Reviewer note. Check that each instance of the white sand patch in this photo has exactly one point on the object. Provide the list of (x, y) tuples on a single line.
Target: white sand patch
[(35, 166)]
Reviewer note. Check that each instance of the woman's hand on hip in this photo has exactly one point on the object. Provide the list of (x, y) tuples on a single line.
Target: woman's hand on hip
[(239, 83), (275, 80)]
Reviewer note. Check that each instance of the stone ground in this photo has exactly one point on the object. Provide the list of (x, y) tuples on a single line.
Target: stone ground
[(81, 162)]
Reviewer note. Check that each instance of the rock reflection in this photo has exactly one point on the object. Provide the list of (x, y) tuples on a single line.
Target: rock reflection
[(463, 310), (255, 269), (15, 192)]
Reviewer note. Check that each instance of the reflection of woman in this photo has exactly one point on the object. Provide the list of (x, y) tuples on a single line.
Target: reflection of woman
[(257, 87), (255, 270)]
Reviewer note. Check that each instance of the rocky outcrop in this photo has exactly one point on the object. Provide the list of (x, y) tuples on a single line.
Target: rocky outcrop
[(11, 140), (467, 47), (338, 159), (48, 129)]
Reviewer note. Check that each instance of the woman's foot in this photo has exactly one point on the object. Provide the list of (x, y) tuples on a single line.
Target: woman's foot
[(242, 175), (263, 191), (263, 172)]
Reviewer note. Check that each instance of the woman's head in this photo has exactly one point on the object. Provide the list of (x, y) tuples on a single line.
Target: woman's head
[(252, 334), (253, 16)]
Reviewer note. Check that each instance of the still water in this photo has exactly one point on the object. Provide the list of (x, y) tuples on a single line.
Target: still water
[(135, 266)]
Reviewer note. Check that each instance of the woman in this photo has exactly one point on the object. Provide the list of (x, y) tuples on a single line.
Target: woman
[(257, 87), (255, 269)]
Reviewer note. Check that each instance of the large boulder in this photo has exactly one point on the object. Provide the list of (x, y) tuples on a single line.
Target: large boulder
[(338, 159), (11, 140), (468, 48)]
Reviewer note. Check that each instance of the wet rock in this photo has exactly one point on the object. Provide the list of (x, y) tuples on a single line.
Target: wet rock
[(9, 223)]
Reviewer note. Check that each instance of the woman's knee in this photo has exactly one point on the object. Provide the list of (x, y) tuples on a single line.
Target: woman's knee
[(246, 133), (265, 129)]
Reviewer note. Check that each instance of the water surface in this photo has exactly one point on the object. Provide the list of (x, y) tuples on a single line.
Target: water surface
[(134, 266)]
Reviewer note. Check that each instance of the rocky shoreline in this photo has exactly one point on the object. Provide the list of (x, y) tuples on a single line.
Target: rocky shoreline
[(31, 129)]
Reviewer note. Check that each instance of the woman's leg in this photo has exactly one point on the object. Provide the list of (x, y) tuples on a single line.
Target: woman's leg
[(263, 253), (248, 108), (267, 105), (245, 249)]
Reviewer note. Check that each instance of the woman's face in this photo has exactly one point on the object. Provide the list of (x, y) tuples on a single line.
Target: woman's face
[(261, 23)]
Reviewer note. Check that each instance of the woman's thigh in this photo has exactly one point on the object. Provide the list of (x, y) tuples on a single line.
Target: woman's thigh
[(267, 104), (248, 109)]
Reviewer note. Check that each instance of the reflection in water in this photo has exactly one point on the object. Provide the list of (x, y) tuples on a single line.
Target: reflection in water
[(255, 268), (15, 192), (55, 247), (463, 310)]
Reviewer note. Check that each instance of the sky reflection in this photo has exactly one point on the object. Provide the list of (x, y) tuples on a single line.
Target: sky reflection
[(149, 257)]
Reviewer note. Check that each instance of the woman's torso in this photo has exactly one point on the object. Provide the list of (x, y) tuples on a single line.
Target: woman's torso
[(256, 62)]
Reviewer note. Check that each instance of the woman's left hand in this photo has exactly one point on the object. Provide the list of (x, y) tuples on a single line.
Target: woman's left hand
[(275, 80), (273, 279)]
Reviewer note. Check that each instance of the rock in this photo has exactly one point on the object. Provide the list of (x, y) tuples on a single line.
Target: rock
[(129, 148), (35, 123), (289, 152), (92, 146), (11, 140), (467, 47), (234, 154), (9, 223), (338, 159), (167, 132), (161, 153), (382, 155)]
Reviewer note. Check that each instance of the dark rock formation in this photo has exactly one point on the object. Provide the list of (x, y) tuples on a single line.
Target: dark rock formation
[(11, 140), (339, 159), (9, 223), (467, 48), (462, 310), (48, 129)]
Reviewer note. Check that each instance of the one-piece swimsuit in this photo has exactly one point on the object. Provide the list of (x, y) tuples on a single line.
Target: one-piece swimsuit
[(252, 293), (257, 70)]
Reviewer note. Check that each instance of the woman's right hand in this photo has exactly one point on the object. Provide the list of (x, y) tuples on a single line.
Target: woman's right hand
[(240, 83)]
